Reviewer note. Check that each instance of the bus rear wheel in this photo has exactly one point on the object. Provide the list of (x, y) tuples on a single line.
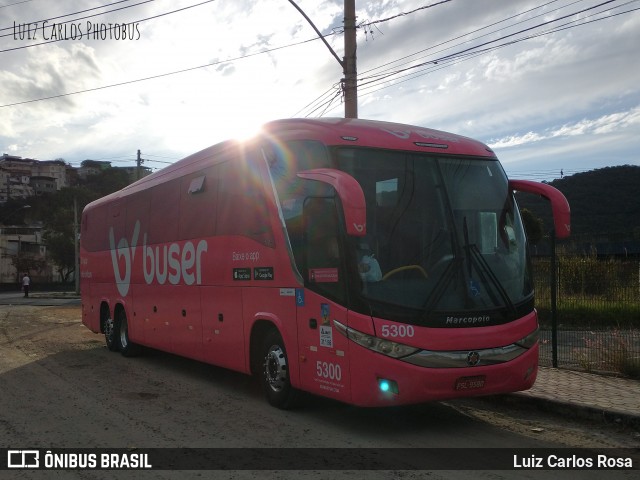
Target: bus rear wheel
[(127, 347), (274, 376), (110, 336)]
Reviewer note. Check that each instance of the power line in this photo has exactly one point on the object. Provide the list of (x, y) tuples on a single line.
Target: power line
[(325, 100), (14, 4), (485, 44), (466, 54), (320, 98), (362, 78), (403, 14), (110, 11), (161, 156), (78, 12), (437, 63), (242, 57), (471, 33)]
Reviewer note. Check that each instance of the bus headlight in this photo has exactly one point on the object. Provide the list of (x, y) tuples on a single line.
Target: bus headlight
[(378, 345), (530, 340)]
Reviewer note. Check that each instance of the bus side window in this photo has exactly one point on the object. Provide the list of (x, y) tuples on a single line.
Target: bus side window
[(324, 269), (94, 238), (163, 222), (198, 195), (242, 206)]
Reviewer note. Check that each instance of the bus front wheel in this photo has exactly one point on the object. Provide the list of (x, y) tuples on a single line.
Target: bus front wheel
[(275, 378)]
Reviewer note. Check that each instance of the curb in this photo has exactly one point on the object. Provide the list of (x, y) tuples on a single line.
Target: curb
[(573, 410), (59, 295)]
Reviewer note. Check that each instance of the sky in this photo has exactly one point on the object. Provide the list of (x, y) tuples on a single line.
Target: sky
[(552, 86)]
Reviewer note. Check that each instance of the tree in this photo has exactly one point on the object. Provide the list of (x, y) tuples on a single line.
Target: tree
[(25, 262), (57, 212), (59, 229), (13, 211), (61, 250)]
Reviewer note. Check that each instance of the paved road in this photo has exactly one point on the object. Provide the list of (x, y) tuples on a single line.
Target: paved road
[(39, 298), (61, 388)]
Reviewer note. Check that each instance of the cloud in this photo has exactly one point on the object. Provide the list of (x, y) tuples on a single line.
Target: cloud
[(606, 124), (63, 70), (559, 90)]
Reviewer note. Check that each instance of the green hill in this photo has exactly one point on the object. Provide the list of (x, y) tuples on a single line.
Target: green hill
[(605, 204)]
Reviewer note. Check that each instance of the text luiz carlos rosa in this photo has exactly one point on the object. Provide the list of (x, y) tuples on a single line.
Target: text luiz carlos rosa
[(573, 461)]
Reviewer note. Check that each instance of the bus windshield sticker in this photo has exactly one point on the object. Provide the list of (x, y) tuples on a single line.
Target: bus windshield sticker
[(323, 275), (324, 313), (326, 336), (263, 273), (242, 274), (300, 297)]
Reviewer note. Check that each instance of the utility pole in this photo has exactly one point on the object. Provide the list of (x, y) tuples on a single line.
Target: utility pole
[(139, 166), (75, 245), (349, 61)]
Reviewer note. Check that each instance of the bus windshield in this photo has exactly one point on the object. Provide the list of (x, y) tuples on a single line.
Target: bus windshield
[(445, 245)]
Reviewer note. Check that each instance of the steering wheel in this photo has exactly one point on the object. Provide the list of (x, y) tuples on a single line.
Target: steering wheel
[(404, 268)]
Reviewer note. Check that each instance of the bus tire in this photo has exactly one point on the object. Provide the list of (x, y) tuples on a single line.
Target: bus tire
[(110, 334), (274, 373), (127, 347)]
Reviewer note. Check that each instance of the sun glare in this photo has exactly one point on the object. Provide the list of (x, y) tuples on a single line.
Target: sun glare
[(248, 129)]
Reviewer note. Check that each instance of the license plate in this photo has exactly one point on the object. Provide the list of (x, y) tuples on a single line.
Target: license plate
[(470, 383)]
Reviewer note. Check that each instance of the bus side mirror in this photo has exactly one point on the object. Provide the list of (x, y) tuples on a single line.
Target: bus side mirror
[(559, 204), (351, 197)]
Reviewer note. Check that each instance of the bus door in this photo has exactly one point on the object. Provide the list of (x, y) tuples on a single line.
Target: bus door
[(324, 363)]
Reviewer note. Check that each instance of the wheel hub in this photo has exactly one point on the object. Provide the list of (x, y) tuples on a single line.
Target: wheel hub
[(275, 368), (124, 333), (108, 328)]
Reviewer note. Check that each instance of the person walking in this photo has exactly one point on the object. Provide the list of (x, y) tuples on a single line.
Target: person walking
[(26, 281)]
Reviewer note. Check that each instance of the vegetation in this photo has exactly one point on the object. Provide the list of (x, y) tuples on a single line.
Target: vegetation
[(592, 293), (598, 306), (604, 203)]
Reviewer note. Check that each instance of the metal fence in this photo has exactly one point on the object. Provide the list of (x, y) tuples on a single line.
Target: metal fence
[(597, 313)]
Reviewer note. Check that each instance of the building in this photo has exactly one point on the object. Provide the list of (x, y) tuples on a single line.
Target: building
[(22, 249), (56, 169), (42, 185), (25, 177), (92, 167)]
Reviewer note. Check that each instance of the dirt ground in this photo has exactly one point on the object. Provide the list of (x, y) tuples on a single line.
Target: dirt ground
[(61, 387)]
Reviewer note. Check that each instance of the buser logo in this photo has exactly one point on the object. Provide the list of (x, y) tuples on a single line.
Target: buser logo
[(170, 262), (126, 252)]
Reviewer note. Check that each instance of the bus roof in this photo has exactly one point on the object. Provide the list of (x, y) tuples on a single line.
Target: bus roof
[(377, 134), (330, 131)]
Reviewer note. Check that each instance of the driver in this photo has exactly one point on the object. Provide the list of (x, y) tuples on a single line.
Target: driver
[(368, 266)]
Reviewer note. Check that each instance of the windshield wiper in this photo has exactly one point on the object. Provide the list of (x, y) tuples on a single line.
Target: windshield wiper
[(483, 269), (442, 285), (476, 259)]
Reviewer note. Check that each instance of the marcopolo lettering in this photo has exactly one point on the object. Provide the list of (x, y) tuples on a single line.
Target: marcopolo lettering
[(478, 320)]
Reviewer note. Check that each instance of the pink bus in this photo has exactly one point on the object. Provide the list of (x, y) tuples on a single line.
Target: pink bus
[(370, 262)]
